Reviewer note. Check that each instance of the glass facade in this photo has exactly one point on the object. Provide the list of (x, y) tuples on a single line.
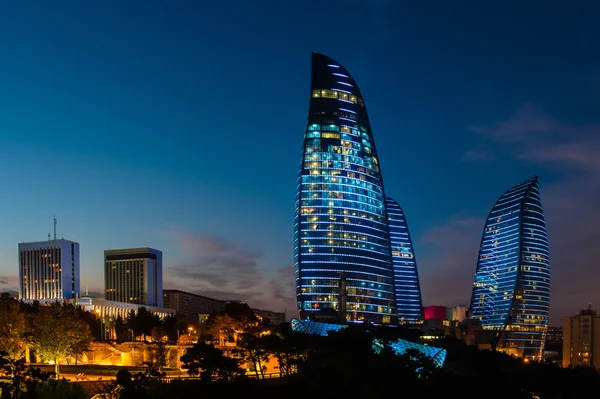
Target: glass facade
[(340, 216), (511, 291), (406, 277)]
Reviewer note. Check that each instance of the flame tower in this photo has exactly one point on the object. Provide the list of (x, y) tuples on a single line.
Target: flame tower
[(511, 291), (341, 222)]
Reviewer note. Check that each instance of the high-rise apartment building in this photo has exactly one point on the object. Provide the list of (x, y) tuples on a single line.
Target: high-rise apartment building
[(581, 339), (341, 222), (49, 270), (134, 275), (511, 291), (406, 277)]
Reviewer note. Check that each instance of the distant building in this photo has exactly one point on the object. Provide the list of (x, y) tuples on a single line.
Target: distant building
[(134, 275), (188, 304), (48, 270), (555, 334), (458, 313), (581, 339), (435, 312), (275, 317), (554, 345)]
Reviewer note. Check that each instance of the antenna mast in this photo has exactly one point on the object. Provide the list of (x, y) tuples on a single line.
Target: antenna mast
[(55, 227)]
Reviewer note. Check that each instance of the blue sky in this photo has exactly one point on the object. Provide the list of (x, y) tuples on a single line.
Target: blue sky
[(178, 125)]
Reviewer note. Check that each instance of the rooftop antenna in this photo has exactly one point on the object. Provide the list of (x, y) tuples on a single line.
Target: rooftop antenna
[(48, 236), (55, 227)]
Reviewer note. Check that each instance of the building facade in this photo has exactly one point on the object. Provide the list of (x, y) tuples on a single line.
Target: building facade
[(188, 304), (134, 275), (108, 312), (435, 312), (511, 291), (406, 277), (341, 225), (275, 317), (48, 270), (581, 340)]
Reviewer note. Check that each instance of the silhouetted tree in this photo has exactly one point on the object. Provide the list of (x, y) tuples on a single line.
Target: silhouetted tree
[(142, 322), (210, 363), (251, 350)]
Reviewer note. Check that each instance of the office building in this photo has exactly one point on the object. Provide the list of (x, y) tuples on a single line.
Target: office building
[(341, 223), (48, 270), (511, 291), (134, 275), (188, 304), (275, 317), (406, 277), (581, 339)]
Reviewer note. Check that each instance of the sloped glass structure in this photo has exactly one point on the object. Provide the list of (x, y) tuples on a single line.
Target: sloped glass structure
[(341, 222), (406, 277), (511, 291), (399, 346)]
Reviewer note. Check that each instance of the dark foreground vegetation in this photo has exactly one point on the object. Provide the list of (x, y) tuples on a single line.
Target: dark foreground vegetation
[(340, 365), (343, 365)]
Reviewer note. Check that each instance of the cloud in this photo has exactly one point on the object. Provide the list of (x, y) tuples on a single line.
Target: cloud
[(579, 154), (282, 285), (11, 282), (528, 120), (216, 264), (218, 268)]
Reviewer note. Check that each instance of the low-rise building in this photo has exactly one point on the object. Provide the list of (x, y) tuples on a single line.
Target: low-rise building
[(188, 304), (274, 317)]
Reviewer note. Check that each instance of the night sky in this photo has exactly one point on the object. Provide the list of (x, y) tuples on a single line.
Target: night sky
[(179, 125)]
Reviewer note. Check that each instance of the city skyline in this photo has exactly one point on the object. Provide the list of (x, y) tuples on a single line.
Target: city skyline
[(176, 127)]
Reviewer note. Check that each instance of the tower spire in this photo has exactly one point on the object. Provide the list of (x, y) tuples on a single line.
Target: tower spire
[(55, 227)]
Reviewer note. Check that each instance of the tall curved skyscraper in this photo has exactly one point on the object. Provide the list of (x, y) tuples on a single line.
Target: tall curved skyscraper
[(341, 221), (406, 276), (511, 292)]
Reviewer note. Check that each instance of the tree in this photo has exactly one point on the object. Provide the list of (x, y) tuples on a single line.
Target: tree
[(18, 377), (142, 322), (159, 352), (210, 363), (59, 333), (120, 328), (221, 326), (169, 325), (13, 329), (251, 350), (60, 389)]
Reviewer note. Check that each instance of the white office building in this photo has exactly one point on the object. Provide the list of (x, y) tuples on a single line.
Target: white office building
[(48, 270)]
